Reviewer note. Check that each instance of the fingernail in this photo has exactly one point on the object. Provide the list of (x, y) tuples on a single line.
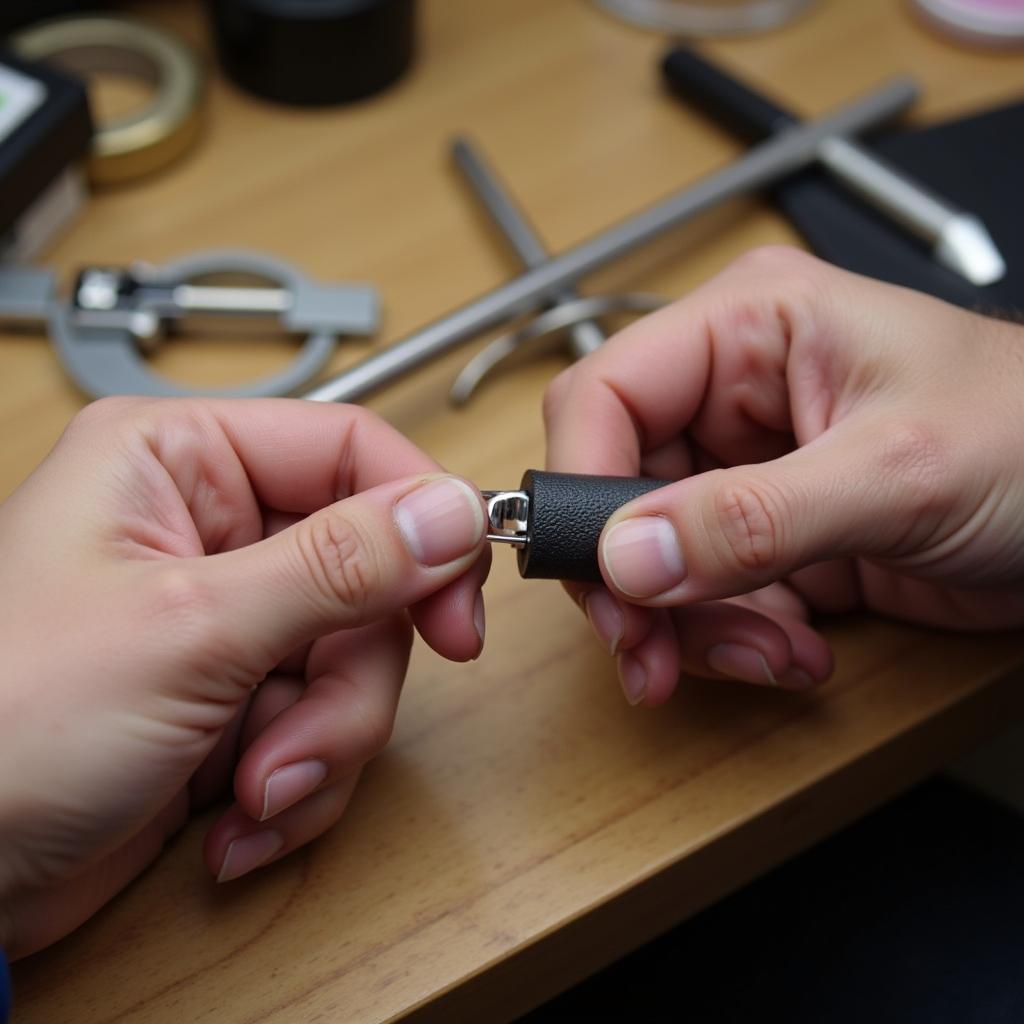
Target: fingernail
[(643, 556), (796, 679), (248, 852), (440, 521), (288, 785), (606, 617), (633, 677), (741, 662), (479, 618)]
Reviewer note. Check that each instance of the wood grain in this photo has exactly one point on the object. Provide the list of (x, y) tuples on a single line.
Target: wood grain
[(525, 825)]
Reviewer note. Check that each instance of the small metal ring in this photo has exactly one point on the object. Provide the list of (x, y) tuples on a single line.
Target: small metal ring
[(551, 322), (141, 142)]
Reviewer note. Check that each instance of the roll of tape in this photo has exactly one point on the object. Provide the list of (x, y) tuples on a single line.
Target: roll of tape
[(314, 52), (144, 141)]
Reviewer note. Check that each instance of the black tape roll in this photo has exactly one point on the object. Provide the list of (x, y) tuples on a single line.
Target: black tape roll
[(567, 514), (314, 52)]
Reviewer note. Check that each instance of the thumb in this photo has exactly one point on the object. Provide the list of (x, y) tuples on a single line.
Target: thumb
[(344, 566), (853, 491)]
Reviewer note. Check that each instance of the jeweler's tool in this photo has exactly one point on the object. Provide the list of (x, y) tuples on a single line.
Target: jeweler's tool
[(115, 314), (555, 520), (957, 239), (583, 337), (766, 163)]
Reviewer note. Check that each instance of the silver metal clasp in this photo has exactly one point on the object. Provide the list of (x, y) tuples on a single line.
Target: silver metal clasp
[(508, 514)]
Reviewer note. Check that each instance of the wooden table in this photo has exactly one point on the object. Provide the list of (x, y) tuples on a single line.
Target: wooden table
[(525, 826)]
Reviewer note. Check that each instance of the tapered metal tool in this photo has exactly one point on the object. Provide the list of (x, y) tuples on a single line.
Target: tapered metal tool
[(957, 238), (583, 338)]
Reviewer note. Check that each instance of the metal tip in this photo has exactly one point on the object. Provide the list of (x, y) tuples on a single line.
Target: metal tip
[(508, 515), (967, 248)]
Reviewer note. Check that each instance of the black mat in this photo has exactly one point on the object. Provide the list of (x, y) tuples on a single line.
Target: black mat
[(977, 162)]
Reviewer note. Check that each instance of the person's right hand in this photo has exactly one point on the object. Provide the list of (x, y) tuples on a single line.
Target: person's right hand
[(838, 443)]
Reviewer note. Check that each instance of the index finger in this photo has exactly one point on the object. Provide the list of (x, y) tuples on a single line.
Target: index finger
[(626, 398), (714, 364)]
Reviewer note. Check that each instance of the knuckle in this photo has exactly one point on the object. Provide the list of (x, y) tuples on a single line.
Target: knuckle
[(186, 608), (915, 457), (341, 560), (188, 612), (369, 727), (779, 261), (749, 522), (103, 412)]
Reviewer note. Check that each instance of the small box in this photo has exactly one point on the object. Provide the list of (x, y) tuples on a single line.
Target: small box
[(45, 132)]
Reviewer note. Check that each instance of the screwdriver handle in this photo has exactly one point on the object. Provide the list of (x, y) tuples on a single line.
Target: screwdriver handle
[(567, 512), (742, 109)]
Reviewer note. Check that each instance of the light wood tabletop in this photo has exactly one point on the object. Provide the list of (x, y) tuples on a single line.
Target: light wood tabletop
[(525, 826)]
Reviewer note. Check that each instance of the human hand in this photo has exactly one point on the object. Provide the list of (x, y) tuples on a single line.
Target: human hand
[(195, 592), (838, 443)]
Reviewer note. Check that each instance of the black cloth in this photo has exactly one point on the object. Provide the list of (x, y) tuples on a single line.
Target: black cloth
[(977, 162)]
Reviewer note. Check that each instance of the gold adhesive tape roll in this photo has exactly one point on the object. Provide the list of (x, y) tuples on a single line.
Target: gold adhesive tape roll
[(145, 140)]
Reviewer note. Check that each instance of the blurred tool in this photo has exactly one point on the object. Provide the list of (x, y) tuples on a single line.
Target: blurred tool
[(997, 23), (761, 166), (583, 337), (44, 135), (114, 314), (974, 160), (144, 141), (957, 239), (314, 54), (706, 17)]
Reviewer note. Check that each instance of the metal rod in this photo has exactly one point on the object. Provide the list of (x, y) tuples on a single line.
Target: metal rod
[(584, 338), (192, 298), (959, 240), (758, 167)]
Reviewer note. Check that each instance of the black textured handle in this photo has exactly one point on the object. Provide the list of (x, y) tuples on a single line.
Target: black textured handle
[(567, 513), (742, 109)]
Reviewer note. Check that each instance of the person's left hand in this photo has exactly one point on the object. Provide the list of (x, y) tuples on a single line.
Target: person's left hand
[(196, 592)]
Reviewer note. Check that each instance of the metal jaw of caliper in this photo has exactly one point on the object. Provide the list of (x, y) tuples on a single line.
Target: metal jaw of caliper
[(115, 315)]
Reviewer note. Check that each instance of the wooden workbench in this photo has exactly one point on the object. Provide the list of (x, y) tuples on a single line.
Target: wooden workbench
[(525, 826)]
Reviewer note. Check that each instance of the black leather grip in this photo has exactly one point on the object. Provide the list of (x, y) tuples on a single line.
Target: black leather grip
[(567, 513), (725, 98)]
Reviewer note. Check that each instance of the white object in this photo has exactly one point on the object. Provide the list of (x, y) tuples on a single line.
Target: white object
[(989, 22)]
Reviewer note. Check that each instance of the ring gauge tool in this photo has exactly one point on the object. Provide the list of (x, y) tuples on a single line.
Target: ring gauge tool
[(116, 314)]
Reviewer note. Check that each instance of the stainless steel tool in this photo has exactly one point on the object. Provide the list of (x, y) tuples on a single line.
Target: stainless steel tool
[(760, 166), (957, 238), (583, 337), (116, 314)]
